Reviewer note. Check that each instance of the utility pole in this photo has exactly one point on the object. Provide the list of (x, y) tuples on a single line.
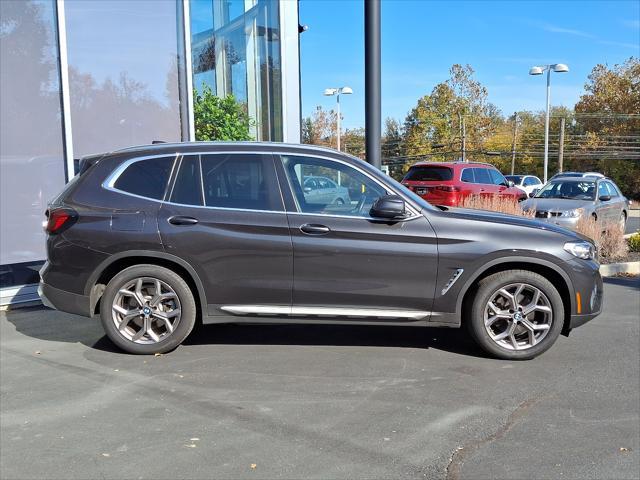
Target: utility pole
[(372, 83), (463, 137), (561, 146), (513, 145)]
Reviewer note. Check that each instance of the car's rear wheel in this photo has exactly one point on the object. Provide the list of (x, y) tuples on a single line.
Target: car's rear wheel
[(515, 314), (147, 309)]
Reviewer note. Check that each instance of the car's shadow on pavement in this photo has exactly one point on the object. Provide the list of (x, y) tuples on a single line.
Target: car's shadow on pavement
[(447, 339), (49, 325)]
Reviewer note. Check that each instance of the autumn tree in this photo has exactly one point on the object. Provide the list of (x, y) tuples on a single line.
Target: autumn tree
[(320, 128)]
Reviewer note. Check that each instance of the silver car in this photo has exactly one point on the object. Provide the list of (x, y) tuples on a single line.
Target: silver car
[(324, 191), (564, 201)]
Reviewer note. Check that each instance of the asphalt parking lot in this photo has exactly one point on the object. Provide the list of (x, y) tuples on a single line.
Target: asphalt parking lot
[(319, 402)]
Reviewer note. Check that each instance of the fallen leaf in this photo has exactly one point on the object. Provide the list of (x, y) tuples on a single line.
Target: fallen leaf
[(253, 466), (194, 439), (191, 445), (106, 455), (624, 449), (157, 354), (37, 352)]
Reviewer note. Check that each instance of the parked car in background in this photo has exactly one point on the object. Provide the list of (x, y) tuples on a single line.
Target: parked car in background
[(154, 238), (564, 201), (577, 174), (323, 190), (527, 183), (448, 183)]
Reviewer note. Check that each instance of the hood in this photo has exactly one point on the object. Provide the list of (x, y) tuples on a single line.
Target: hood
[(495, 217), (554, 204)]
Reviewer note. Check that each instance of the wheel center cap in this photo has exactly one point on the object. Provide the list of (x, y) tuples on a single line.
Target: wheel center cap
[(517, 316), (146, 310)]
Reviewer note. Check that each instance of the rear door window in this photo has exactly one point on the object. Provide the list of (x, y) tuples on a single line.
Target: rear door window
[(240, 181), (427, 174), (187, 188), (467, 175), (146, 178), (482, 175)]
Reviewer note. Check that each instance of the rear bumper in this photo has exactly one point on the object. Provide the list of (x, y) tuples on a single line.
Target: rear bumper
[(64, 301)]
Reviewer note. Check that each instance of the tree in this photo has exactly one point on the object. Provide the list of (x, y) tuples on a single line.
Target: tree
[(218, 118), (320, 128), (353, 142), (607, 116)]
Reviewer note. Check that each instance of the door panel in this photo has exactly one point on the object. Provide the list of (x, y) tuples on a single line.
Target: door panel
[(242, 256), (364, 263), (343, 257)]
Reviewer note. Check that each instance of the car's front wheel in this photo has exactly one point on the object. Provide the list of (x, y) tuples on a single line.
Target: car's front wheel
[(147, 309), (515, 314)]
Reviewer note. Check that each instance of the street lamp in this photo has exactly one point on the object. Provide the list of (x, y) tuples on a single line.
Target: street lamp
[(539, 70), (329, 92)]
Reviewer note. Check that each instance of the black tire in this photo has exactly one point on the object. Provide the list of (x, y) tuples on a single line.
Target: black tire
[(170, 278), (487, 287)]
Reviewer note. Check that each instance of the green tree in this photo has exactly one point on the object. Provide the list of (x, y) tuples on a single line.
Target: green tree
[(218, 118), (320, 128)]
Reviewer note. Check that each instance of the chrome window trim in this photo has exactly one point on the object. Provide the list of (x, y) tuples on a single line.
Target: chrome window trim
[(112, 178)]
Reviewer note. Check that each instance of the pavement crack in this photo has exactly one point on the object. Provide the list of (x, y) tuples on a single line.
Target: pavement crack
[(457, 458)]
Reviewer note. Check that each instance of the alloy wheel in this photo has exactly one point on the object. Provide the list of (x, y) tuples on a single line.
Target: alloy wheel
[(518, 316), (146, 310)]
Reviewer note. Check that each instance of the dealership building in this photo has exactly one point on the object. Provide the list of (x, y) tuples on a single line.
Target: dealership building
[(87, 76)]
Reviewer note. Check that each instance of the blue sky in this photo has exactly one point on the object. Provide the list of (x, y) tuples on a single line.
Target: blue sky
[(421, 39)]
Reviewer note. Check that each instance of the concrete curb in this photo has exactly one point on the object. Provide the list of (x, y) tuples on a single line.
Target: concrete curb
[(612, 269)]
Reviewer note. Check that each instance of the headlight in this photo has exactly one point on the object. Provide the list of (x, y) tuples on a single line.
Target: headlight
[(575, 213), (581, 249)]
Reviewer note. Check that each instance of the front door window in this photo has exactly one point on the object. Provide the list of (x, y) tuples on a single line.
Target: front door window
[(326, 187)]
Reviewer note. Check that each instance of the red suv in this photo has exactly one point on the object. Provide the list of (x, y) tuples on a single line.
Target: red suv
[(448, 183)]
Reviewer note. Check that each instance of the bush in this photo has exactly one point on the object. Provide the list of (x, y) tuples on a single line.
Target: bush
[(495, 203), (634, 242), (218, 118), (609, 238)]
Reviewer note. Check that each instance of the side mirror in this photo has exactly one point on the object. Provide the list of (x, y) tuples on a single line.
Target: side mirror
[(510, 183), (388, 206), (605, 198), (533, 192)]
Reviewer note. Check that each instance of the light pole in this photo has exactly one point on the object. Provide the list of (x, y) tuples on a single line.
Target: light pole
[(329, 92), (539, 70)]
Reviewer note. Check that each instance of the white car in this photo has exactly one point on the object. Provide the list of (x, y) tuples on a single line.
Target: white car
[(526, 183)]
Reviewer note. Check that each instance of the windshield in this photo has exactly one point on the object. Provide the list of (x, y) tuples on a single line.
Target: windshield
[(517, 179), (568, 190)]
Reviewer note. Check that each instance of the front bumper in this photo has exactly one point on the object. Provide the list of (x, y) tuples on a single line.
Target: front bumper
[(589, 293), (64, 301)]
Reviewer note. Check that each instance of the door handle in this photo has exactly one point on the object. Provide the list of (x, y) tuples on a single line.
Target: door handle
[(314, 229), (182, 220)]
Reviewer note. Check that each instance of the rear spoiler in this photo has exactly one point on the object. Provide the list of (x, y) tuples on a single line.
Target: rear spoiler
[(83, 164)]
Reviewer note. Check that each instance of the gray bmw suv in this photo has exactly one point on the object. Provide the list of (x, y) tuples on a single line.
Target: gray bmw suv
[(154, 239)]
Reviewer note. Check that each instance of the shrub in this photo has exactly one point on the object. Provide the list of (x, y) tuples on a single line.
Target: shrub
[(608, 237), (634, 242), (495, 203), (218, 118)]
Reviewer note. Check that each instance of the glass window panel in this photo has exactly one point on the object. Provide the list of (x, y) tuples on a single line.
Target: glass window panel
[(32, 166), (147, 178), (240, 181), (497, 178), (187, 189), (326, 187), (482, 175), (236, 51), (123, 73), (467, 175)]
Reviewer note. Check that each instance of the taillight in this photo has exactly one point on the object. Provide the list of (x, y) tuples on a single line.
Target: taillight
[(447, 188), (59, 219)]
